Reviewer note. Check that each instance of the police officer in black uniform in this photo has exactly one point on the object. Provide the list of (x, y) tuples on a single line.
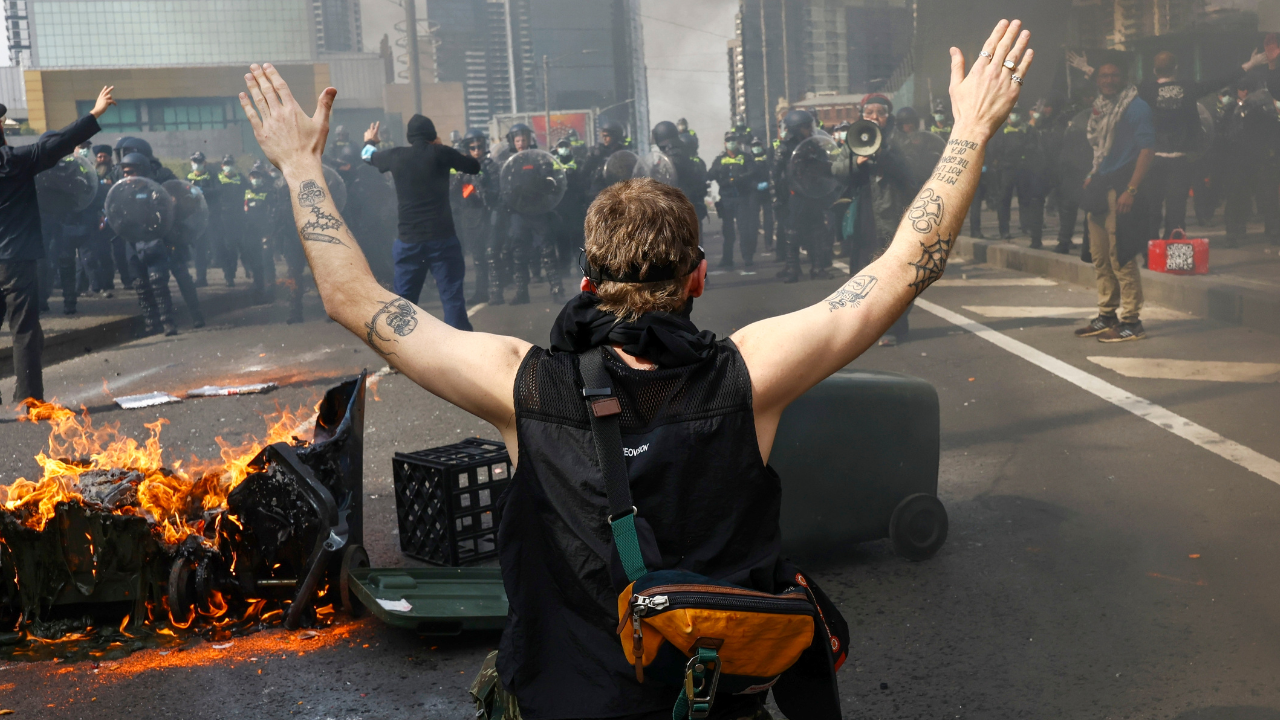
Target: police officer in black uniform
[(736, 174), (572, 210), (691, 172), (209, 243), (805, 216), (762, 198), (471, 213), (149, 263), (231, 186), (531, 235), (687, 136), (1017, 166), (612, 139), (259, 222)]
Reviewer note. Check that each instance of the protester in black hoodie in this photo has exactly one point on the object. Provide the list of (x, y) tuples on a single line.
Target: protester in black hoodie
[(21, 242), (427, 239)]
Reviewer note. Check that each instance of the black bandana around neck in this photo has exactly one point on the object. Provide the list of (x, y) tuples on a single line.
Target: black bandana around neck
[(666, 339)]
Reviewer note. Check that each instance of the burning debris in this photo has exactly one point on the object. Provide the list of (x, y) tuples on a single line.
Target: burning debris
[(112, 544)]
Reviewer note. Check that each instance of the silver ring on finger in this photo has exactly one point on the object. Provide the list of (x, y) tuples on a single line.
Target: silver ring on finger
[(984, 54), (1016, 79), (1009, 64)]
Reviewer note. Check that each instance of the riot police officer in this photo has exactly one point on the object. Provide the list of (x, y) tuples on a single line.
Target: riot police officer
[(530, 234), (209, 243), (688, 137), (612, 139), (1017, 166), (805, 217), (572, 210), (471, 213), (736, 175), (149, 263), (691, 173), (259, 222)]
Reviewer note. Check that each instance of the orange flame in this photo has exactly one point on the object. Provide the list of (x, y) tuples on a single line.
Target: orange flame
[(172, 495)]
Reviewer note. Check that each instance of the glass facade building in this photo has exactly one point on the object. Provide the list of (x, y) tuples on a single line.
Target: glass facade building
[(169, 33)]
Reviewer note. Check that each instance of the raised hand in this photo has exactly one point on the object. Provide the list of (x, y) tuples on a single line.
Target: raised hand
[(104, 101), (291, 139), (371, 135), (982, 99), (1078, 61)]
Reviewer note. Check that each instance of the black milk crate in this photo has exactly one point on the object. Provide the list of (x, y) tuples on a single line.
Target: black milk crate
[(446, 498)]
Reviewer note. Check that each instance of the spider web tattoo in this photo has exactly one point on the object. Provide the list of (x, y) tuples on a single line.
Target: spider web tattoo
[(932, 261)]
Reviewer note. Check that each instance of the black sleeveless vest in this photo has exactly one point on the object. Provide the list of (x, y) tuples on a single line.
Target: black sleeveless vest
[(696, 477)]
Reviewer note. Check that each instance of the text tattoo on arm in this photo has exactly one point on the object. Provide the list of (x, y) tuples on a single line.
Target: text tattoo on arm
[(310, 196), (399, 316), (953, 162), (852, 293)]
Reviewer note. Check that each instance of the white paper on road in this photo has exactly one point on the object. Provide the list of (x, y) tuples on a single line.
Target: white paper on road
[(224, 390), (133, 402), (1149, 312), (1246, 458), (1206, 370), (400, 605)]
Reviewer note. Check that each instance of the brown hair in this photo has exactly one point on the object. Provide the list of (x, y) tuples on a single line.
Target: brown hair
[(639, 224), (1165, 64)]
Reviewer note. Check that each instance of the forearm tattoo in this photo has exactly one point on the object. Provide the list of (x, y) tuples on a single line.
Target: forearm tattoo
[(932, 261), (852, 293), (953, 162), (310, 196), (397, 315), (926, 212)]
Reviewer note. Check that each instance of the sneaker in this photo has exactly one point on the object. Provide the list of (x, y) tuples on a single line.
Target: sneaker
[(1123, 332), (1097, 326)]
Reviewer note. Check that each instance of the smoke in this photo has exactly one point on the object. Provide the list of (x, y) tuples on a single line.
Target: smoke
[(684, 47)]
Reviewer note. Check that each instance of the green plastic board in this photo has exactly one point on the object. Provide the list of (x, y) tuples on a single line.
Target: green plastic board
[(434, 601)]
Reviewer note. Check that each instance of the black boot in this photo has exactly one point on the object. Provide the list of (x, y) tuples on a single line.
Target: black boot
[(164, 302), (551, 268), (482, 283), (522, 294), (147, 302)]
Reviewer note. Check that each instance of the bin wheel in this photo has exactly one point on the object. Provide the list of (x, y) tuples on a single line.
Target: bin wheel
[(353, 557), (918, 526), (182, 592)]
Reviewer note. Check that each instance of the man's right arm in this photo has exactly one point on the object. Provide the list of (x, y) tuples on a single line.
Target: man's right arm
[(787, 355), (474, 371), (57, 144)]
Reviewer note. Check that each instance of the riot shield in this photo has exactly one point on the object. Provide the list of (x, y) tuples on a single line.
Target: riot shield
[(67, 187), (533, 183), (190, 210), (500, 152), (620, 166), (337, 187), (809, 169), (656, 166), (139, 209)]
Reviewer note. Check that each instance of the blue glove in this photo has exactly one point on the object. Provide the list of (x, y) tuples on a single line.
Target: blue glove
[(762, 186), (367, 152)]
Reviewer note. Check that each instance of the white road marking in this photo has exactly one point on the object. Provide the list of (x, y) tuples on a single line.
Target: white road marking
[(1205, 438), (476, 308), (1150, 312), (1210, 370), (996, 282)]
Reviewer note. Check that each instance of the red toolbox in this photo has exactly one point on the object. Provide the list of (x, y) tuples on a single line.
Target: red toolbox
[(1179, 255)]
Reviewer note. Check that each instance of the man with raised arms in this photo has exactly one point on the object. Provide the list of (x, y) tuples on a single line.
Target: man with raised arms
[(698, 415)]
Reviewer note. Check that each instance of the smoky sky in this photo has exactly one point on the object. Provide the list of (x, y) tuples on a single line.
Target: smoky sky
[(684, 47)]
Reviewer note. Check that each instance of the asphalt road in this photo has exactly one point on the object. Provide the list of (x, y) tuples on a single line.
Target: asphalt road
[(1099, 565)]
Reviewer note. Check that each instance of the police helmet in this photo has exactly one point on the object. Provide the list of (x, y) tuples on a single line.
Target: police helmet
[(198, 157), (521, 129), (474, 134), (730, 135), (258, 166), (665, 132), (908, 116), (797, 120), (614, 128), (100, 149), (682, 123), (228, 159), (135, 160)]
